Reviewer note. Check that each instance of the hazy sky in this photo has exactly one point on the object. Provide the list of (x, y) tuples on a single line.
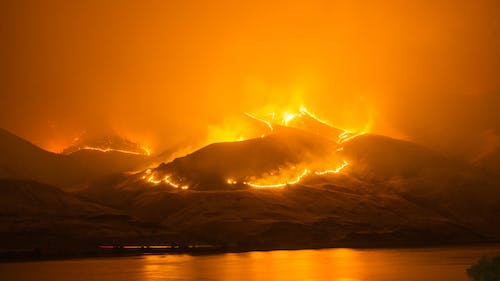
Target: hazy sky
[(162, 70)]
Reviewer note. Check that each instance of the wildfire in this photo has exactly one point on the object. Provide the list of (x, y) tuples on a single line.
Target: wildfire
[(107, 143), (346, 136), (289, 176), (292, 182), (231, 181), (145, 151), (268, 124), (334, 171), (286, 119), (153, 181), (150, 178), (303, 111), (297, 180)]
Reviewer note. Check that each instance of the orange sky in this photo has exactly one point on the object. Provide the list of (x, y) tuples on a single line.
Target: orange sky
[(163, 70)]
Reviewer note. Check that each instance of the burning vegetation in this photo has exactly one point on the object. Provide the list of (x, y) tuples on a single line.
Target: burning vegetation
[(282, 148), (113, 143)]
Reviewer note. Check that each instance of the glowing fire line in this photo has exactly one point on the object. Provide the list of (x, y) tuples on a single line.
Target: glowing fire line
[(284, 119), (287, 117), (166, 180), (146, 151), (334, 171), (268, 124), (303, 111), (152, 180), (347, 136), (295, 181)]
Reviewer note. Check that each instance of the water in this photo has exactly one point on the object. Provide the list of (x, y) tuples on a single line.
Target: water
[(428, 264)]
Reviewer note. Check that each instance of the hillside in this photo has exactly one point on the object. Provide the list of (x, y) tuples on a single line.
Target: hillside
[(209, 167), (392, 193), (22, 160)]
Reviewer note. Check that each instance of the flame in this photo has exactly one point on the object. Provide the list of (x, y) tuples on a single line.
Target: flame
[(150, 178), (107, 143), (285, 177), (297, 180), (145, 151), (303, 111), (334, 171), (287, 117), (236, 129), (347, 136), (169, 182), (275, 185), (268, 124)]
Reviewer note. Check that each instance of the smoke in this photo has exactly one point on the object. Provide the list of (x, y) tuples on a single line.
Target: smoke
[(160, 73)]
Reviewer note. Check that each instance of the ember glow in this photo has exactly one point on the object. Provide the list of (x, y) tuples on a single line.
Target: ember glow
[(274, 185), (334, 171), (261, 183), (146, 151), (151, 177), (268, 124), (286, 117), (107, 143), (294, 118), (301, 119), (348, 135)]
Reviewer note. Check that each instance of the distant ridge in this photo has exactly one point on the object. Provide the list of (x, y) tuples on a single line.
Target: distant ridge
[(21, 159)]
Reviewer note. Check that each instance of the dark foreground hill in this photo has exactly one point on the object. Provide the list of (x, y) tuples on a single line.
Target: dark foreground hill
[(21, 159), (310, 215), (43, 217)]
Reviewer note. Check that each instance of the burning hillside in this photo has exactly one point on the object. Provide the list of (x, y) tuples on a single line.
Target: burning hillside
[(294, 175), (284, 149), (111, 143), (23, 160)]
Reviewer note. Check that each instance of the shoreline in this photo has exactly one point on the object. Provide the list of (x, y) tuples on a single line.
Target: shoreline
[(26, 255)]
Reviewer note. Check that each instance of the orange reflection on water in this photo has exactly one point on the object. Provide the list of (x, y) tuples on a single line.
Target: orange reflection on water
[(429, 264), (335, 265), (327, 264)]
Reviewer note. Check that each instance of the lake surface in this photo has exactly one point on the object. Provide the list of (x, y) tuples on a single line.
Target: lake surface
[(428, 264)]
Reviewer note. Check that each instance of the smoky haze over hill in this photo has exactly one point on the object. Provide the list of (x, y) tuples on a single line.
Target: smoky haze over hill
[(425, 71)]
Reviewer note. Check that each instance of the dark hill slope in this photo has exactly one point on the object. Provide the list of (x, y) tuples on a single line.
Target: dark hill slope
[(209, 167), (20, 159)]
